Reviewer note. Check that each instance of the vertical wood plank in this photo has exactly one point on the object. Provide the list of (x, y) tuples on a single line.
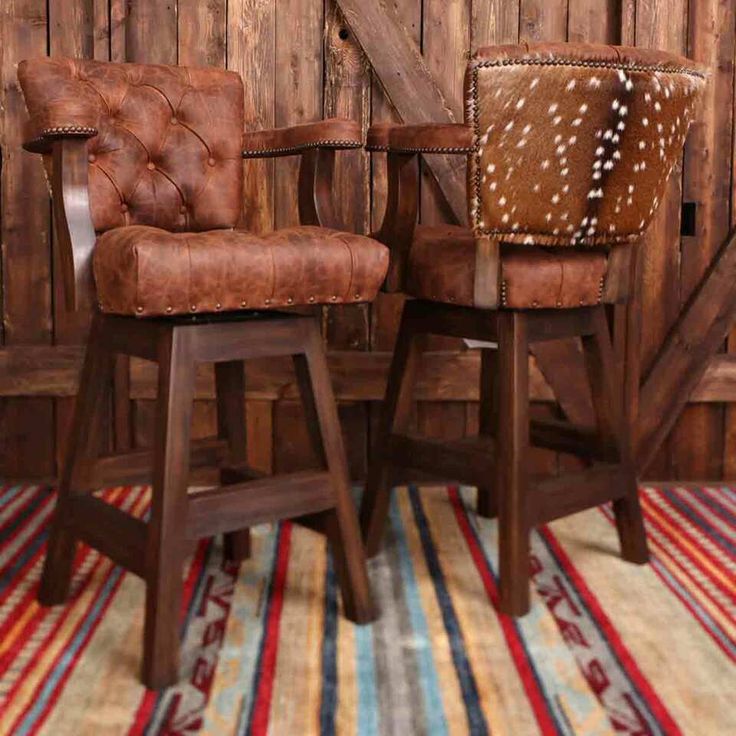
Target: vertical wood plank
[(251, 48), (27, 425), (446, 48), (698, 437), (594, 21), (543, 20), (660, 24), (494, 22), (202, 27), (151, 31), (298, 89)]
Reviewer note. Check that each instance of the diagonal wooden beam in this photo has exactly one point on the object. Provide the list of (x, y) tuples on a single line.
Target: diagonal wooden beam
[(681, 362), (409, 84)]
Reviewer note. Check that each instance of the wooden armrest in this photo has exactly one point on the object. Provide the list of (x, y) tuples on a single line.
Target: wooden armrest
[(426, 138), (335, 133)]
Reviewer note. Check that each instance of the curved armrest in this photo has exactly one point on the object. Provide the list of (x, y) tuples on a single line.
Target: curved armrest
[(43, 140), (334, 133), (425, 138)]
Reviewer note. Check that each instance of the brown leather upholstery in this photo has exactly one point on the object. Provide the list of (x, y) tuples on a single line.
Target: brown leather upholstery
[(442, 268), (574, 142), (167, 152), (166, 185), (147, 271), (331, 133)]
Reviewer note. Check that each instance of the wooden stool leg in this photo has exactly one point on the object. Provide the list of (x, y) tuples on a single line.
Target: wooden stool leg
[(512, 457), (230, 390), (82, 447), (487, 505), (612, 427), (166, 541), (395, 416), (341, 524)]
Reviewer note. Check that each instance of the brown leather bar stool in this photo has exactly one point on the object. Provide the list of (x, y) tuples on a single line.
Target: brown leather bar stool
[(568, 149), (147, 177)]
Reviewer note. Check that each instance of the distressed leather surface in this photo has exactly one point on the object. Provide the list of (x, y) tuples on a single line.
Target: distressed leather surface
[(330, 133), (574, 142), (148, 271), (442, 268), (169, 139)]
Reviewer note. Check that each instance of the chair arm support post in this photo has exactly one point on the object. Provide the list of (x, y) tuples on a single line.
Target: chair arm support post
[(72, 216)]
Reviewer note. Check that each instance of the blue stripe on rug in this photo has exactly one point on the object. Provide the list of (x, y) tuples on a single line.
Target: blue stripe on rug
[(468, 686)]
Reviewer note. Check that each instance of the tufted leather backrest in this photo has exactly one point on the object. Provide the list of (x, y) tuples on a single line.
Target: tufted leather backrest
[(168, 143), (574, 142)]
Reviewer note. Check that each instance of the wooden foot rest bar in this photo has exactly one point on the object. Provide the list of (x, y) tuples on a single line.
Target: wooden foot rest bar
[(469, 460), (116, 534), (562, 436), (241, 505), (573, 492), (135, 467)]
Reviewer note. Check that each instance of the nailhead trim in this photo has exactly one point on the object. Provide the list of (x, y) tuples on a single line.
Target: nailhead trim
[(61, 130), (327, 143), (377, 149), (433, 149), (485, 63)]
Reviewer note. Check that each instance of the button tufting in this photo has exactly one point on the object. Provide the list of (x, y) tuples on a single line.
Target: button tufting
[(211, 161), (150, 166), (91, 158), (174, 121), (183, 209), (123, 207)]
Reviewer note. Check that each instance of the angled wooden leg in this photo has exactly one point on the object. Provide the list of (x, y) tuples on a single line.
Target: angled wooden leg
[(512, 438), (395, 416), (83, 446), (230, 390), (166, 543), (487, 504), (341, 524), (603, 377)]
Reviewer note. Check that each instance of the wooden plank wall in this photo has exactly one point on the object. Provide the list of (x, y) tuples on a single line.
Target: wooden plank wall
[(300, 62)]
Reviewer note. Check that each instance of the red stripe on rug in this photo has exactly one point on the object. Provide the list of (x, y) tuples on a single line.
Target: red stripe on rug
[(696, 537), (83, 552), (521, 660), (673, 540), (267, 670), (604, 624), (151, 698), (673, 586)]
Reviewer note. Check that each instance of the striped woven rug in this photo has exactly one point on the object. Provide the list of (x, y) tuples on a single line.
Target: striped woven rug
[(608, 648)]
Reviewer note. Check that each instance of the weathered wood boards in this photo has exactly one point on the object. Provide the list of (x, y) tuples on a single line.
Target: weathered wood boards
[(371, 60)]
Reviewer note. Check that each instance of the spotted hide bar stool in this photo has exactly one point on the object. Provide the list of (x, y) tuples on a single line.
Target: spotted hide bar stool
[(147, 177), (568, 149)]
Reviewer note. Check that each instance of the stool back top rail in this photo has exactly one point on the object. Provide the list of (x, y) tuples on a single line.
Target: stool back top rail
[(145, 164), (569, 147)]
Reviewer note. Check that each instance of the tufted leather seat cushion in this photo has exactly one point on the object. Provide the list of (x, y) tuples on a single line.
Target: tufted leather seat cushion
[(147, 271), (574, 142), (166, 142), (441, 268)]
